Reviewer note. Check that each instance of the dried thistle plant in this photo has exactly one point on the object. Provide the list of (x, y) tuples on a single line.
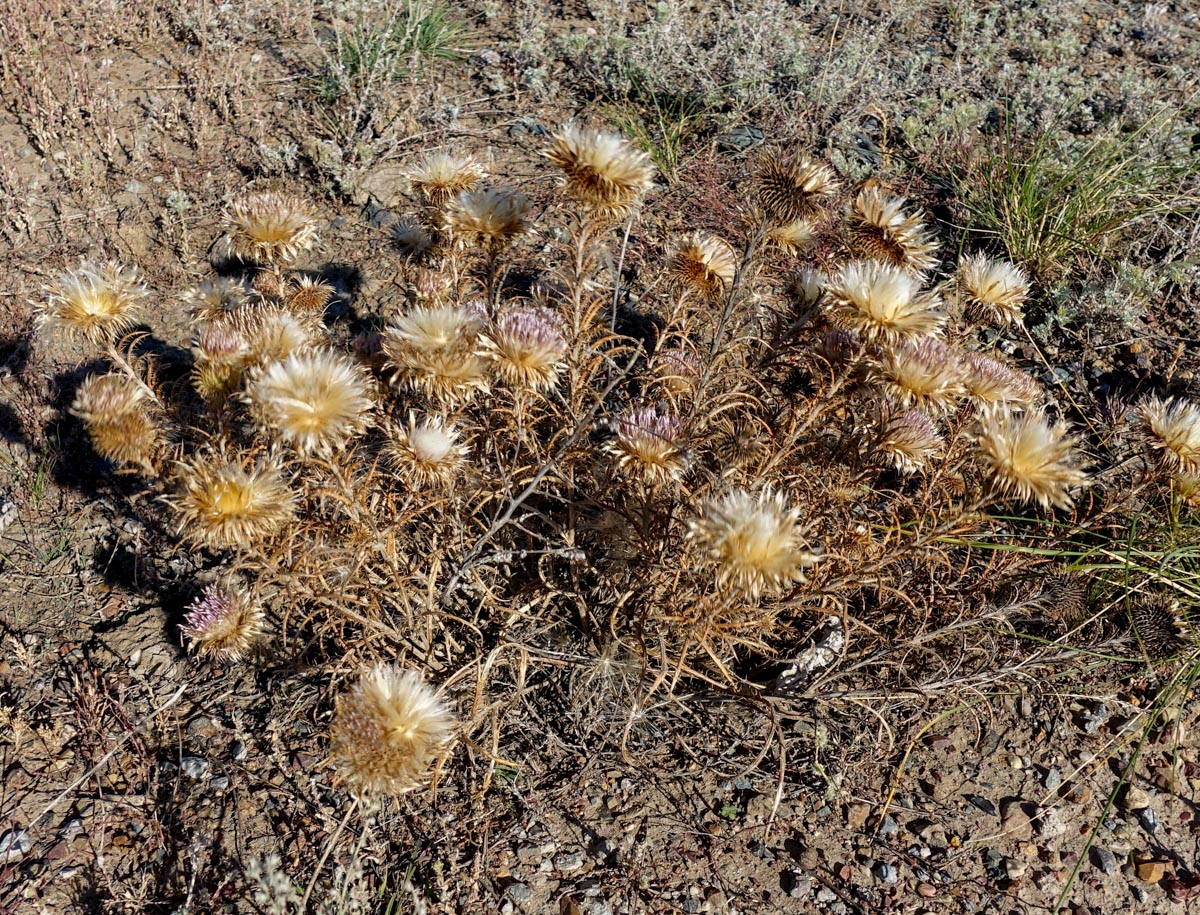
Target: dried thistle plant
[(270, 229), (881, 230), (231, 504), (602, 171), (997, 289), (224, 622), (756, 542), (96, 302), (881, 302), (1171, 432), (119, 420), (1030, 459), (387, 731), (792, 187)]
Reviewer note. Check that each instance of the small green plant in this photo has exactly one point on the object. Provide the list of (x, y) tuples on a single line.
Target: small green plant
[(663, 124), (1053, 204), (415, 34)]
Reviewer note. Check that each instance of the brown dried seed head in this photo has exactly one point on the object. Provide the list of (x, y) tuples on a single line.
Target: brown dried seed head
[(702, 264), (269, 228), (387, 731), (757, 542), (120, 424), (1160, 626), (226, 504), (442, 177), (881, 302), (602, 171), (307, 295), (881, 230), (94, 302), (1029, 459), (791, 188)]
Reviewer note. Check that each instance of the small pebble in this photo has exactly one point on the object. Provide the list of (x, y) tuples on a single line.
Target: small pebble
[(1148, 819), (194, 767), (983, 804), (1052, 779), (238, 751), (887, 872), (519, 892), (14, 844), (888, 826), (1104, 859)]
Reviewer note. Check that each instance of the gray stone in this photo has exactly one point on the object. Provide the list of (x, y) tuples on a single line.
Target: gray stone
[(1148, 820), (1052, 779), (519, 892), (569, 861), (194, 767), (886, 872), (14, 844), (1104, 859)]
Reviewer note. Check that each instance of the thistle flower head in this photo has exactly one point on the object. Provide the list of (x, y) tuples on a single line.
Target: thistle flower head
[(881, 302), (227, 504), (434, 350), (756, 541), (221, 354), (270, 228), (806, 287), (1029, 459), (412, 240), (527, 345), (647, 446), (990, 381), (273, 333), (442, 177), (602, 171), (793, 237), (426, 451), (926, 374), (789, 188), (995, 287), (223, 623), (115, 413), (387, 731), (907, 438), (488, 218), (1171, 430), (307, 295), (314, 401), (677, 371), (881, 230), (95, 302), (702, 264), (216, 299)]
